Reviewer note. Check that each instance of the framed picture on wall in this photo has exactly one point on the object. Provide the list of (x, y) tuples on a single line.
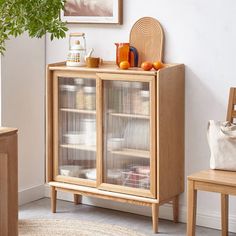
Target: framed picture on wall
[(93, 11)]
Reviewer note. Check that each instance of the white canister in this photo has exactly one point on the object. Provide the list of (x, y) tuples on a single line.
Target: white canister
[(88, 125), (90, 97)]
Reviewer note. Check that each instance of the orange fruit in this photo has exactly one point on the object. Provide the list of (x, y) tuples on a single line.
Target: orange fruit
[(124, 65), (157, 65), (146, 65)]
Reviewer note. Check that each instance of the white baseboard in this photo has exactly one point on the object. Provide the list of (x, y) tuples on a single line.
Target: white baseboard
[(204, 218), (31, 194)]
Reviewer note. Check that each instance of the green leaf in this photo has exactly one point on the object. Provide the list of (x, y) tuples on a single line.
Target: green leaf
[(37, 17)]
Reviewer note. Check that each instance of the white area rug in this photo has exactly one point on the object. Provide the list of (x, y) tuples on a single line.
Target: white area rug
[(71, 228)]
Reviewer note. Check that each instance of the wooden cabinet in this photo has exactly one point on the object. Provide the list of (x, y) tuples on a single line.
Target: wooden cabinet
[(8, 182), (116, 134)]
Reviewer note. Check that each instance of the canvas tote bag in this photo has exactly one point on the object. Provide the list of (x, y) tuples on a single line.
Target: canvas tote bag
[(222, 143)]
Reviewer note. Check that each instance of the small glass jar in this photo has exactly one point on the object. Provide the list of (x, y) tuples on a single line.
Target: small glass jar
[(126, 94), (67, 96), (145, 104), (136, 97), (116, 96), (89, 98), (80, 93)]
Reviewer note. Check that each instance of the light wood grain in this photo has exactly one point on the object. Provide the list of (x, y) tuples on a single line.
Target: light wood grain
[(233, 115), (232, 102), (126, 77), (224, 213), (135, 116), (147, 37), (216, 188), (106, 197), (77, 199), (8, 182), (152, 130), (132, 153), (49, 125), (176, 209), (109, 67), (141, 192), (95, 191), (100, 130), (219, 177), (127, 190), (55, 125), (170, 131), (78, 111), (155, 216), (120, 12), (7, 131), (218, 181), (75, 180), (4, 194), (53, 199), (166, 134), (200, 184), (64, 71), (192, 206)]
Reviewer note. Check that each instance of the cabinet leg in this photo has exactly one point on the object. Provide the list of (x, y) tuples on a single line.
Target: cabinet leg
[(77, 199), (192, 205), (53, 199), (176, 209), (224, 213), (155, 216)]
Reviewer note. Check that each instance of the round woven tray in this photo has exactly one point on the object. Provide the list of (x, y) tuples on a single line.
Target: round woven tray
[(147, 37)]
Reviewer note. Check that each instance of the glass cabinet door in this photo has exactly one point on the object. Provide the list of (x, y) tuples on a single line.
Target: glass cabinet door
[(128, 157), (75, 127)]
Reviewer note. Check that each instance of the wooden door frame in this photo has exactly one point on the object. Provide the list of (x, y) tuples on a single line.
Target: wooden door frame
[(56, 176), (100, 131)]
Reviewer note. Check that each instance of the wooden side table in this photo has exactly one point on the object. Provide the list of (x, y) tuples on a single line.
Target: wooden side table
[(223, 182), (8, 182)]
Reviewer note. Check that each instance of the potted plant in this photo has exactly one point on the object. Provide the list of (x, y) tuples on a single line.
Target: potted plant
[(37, 17)]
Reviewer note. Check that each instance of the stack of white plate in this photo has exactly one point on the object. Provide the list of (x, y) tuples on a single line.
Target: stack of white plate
[(74, 138), (82, 138), (70, 170)]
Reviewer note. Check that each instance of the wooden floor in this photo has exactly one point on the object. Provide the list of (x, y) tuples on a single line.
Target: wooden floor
[(41, 209)]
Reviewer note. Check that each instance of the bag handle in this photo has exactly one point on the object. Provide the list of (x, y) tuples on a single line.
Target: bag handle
[(228, 129)]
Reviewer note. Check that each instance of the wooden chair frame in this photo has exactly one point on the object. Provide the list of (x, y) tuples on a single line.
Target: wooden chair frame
[(223, 182)]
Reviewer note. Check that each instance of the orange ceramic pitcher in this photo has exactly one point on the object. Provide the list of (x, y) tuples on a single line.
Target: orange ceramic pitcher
[(122, 52)]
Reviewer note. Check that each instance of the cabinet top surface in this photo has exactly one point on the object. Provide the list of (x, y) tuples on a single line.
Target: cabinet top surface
[(106, 67), (6, 131)]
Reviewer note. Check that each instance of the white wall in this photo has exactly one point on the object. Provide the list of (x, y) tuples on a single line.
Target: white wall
[(23, 76), (202, 35)]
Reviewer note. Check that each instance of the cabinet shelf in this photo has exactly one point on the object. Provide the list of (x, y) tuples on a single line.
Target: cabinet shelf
[(79, 147), (92, 112), (126, 115), (132, 153)]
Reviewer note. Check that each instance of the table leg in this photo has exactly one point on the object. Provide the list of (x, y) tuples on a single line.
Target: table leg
[(176, 209), (53, 199), (155, 216), (192, 205), (224, 213), (77, 199)]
